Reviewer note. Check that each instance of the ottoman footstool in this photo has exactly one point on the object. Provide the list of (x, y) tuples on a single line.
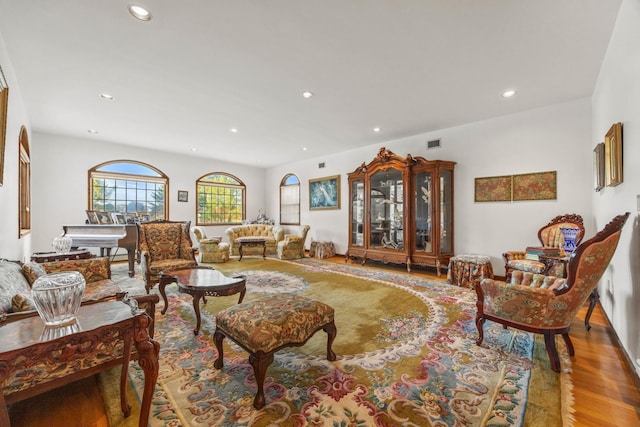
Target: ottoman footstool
[(269, 324)]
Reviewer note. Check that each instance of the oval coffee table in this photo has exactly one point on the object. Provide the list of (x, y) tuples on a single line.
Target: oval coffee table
[(200, 282)]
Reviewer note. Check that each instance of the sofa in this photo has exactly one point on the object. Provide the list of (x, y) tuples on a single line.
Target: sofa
[(273, 234), (16, 279)]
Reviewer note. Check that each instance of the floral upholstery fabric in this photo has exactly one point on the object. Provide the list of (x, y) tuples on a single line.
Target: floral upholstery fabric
[(96, 273), (274, 321), (292, 247), (272, 233), (542, 308), (32, 271), (12, 284), (164, 245)]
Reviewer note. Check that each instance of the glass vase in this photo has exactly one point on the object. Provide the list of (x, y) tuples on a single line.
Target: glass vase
[(62, 244), (57, 297)]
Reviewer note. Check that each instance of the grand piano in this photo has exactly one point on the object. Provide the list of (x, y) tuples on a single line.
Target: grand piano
[(105, 236)]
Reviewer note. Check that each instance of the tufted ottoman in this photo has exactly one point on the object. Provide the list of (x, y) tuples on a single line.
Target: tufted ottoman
[(269, 324)]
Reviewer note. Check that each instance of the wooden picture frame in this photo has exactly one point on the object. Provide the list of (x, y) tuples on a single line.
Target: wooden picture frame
[(493, 189), (183, 196), (324, 193), (104, 217), (598, 166), (130, 218), (613, 155), (144, 217), (118, 218), (4, 105), (92, 217), (535, 186)]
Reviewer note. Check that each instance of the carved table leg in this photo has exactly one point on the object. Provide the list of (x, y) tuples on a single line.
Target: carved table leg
[(148, 352), (260, 362), (196, 308), (126, 356)]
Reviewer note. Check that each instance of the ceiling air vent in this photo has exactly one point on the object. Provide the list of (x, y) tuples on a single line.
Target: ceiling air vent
[(320, 165), (433, 144)]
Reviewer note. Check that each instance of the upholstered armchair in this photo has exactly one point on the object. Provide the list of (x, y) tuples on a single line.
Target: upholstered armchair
[(210, 249), (164, 245), (292, 247), (550, 236), (547, 305)]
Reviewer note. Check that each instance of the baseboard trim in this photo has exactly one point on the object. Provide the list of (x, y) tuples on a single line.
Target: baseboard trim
[(628, 360)]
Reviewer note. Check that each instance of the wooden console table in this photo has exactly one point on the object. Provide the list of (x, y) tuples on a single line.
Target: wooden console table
[(35, 359)]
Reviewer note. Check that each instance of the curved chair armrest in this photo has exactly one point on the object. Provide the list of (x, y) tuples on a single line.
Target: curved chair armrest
[(513, 255)]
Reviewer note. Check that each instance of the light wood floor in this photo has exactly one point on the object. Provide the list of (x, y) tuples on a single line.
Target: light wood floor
[(605, 389)]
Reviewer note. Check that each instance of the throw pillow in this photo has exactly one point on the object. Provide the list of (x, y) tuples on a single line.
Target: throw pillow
[(33, 271)]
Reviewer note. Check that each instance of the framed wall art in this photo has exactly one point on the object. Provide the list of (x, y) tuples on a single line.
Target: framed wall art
[(598, 167), (92, 217), (535, 186), (493, 189), (613, 154), (324, 193), (4, 105), (183, 196)]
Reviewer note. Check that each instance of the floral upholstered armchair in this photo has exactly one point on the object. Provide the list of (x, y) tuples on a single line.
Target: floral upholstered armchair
[(550, 236), (292, 247), (164, 245), (547, 305), (210, 249)]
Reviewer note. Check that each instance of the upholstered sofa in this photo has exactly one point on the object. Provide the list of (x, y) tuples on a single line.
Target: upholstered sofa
[(273, 234), (16, 279)]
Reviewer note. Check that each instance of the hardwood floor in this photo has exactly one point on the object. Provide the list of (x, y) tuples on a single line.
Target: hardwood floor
[(606, 391)]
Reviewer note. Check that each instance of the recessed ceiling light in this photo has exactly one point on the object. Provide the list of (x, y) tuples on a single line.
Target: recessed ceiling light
[(107, 96), (307, 94), (376, 129), (304, 148), (139, 12), (194, 149), (508, 93), (233, 130), (92, 131)]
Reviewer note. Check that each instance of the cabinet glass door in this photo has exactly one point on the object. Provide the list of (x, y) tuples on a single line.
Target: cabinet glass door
[(357, 213), (446, 212), (387, 195), (423, 204)]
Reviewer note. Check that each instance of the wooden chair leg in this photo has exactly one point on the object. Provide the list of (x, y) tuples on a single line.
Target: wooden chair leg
[(569, 344), (593, 299), (550, 344), (260, 362), (479, 322)]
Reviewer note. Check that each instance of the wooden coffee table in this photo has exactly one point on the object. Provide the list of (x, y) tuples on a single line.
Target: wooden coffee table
[(200, 282), (252, 242)]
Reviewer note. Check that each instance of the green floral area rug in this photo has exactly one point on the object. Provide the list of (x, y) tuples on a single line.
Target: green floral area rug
[(406, 357)]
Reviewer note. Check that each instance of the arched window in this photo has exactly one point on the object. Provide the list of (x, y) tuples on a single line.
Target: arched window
[(221, 199), (129, 187), (290, 200), (24, 184)]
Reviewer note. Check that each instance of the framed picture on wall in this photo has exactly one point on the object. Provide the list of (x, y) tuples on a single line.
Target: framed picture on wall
[(4, 105), (613, 154), (598, 167), (324, 193), (183, 196)]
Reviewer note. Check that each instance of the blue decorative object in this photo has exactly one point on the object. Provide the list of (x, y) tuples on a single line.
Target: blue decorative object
[(569, 235)]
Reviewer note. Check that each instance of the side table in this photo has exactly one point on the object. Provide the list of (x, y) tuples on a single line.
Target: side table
[(41, 257), (35, 358), (467, 270)]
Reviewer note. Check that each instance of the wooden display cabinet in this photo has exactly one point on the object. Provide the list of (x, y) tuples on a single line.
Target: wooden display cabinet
[(401, 211)]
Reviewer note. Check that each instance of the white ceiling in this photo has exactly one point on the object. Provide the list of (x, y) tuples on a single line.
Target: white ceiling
[(200, 68)]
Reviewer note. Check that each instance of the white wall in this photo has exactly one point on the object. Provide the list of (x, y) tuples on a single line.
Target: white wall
[(617, 99), (546, 139), (11, 246), (60, 187)]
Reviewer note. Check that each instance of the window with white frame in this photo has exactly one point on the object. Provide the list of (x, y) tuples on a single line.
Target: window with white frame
[(290, 200)]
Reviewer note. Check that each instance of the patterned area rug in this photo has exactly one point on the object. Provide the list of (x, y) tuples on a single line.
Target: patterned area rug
[(406, 356)]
